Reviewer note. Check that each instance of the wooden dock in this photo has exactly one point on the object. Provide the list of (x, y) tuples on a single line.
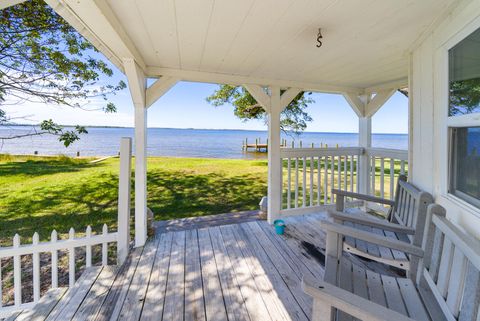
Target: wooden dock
[(258, 146)]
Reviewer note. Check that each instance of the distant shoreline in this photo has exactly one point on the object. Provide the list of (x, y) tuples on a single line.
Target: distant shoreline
[(204, 129)]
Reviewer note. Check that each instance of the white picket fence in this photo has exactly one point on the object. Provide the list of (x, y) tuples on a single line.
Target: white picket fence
[(309, 175), (68, 246), (52, 248)]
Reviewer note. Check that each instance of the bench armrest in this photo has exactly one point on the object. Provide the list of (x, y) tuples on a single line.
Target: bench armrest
[(363, 197), (370, 221), (329, 295), (371, 238)]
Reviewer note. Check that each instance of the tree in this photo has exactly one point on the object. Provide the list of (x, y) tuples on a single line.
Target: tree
[(293, 119), (464, 96), (43, 59)]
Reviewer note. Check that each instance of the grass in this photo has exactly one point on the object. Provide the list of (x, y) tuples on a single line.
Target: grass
[(45, 193)]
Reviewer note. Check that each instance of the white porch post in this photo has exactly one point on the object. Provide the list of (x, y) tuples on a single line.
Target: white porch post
[(140, 175), (273, 104), (365, 107), (365, 141), (138, 86), (124, 193), (274, 160)]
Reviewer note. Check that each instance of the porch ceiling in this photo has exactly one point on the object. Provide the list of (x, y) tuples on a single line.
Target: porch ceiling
[(365, 43)]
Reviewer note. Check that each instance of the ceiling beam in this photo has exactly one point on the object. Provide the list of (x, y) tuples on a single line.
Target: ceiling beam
[(8, 3), (231, 79), (159, 88), (396, 84), (96, 21)]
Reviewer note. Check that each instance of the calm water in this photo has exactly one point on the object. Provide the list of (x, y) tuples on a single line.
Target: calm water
[(178, 142)]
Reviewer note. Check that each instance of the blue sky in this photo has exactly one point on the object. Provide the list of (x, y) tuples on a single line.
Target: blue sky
[(184, 106)]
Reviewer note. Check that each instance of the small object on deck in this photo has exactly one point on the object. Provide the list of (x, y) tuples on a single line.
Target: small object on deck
[(150, 228), (279, 226), (263, 208)]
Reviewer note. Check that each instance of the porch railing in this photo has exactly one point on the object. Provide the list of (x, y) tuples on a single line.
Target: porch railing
[(30, 263), (309, 174)]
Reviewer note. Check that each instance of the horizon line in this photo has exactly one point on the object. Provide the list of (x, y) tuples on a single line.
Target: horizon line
[(192, 128)]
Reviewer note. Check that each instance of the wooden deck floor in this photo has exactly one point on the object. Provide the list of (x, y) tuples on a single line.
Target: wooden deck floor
[(229, 272)]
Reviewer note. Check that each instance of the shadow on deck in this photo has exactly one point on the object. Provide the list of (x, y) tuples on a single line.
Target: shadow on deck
[(188, 271)]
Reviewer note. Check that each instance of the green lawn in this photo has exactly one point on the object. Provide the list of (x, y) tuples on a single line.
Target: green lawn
[(41, 194)]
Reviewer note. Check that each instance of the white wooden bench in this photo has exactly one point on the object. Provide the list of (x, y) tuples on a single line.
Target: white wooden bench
[(405, 222), (445, 287)]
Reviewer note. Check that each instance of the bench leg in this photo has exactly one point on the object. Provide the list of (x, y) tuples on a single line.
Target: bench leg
[(321, 311)]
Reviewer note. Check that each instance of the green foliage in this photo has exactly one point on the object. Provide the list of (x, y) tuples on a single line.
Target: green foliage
[(43, 59), (293, 119), (464, 97)]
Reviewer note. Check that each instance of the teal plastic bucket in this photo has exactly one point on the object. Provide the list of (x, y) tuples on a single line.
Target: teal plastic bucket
[(279, 226)]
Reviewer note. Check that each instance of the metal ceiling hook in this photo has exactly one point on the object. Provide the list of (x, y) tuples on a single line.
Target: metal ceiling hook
[(319, 37)]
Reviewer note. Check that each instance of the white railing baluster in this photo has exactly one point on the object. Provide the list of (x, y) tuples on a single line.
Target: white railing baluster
[(71, 259), (104, 246), (311, 180), (319, 180), (296, 182), (53, 239), (352, 158), (304, 182), (345, 172), (36, 269), (17, 273), (325, 180), (88, 248), (373, 173), (382, 177), (402, 167), (357, 170), (392, 177), (332, 179), (339, 172), (289, 182)]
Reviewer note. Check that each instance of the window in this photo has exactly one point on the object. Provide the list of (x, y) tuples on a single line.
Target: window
[(465, 164), (464, 76), (464, 99)]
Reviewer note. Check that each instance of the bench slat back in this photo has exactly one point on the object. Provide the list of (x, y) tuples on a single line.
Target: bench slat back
[(451, 268), (411, 208)]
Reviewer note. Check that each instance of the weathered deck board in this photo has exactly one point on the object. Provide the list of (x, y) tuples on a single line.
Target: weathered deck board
[(241, 272)]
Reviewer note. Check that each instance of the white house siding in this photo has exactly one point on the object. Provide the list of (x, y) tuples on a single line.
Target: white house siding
[(429, 84)]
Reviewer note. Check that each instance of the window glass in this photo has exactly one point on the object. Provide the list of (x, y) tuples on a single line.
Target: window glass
[(464, 76), (465, 178)]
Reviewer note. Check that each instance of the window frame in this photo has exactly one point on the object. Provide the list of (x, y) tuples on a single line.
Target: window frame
[(456, 121)]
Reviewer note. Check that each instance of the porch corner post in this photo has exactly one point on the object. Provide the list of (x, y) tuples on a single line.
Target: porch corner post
[(274, 160), (140, 175), (137, 83), (364, 141), (124, 192)]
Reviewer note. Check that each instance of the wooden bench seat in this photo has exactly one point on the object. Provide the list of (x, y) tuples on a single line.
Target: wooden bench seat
[(405, 222), (444, 286), (397, 294)]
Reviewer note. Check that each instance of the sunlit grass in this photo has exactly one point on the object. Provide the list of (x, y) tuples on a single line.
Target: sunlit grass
[(41, 194)]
